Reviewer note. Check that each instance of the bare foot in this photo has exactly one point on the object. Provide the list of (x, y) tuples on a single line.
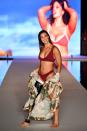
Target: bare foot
[(24, 124), (54, 126)]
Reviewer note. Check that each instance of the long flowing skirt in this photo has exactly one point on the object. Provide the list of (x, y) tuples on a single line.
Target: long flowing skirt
[(41, 106)]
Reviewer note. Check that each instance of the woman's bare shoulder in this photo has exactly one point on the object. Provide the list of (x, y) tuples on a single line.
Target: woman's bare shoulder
[(56, 51), (55, 48)]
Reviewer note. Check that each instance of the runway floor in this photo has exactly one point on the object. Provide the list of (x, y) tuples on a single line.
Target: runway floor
[(13, 95)]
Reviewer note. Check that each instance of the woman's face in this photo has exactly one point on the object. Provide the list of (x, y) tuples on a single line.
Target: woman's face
[(44, 38), (57, 10)]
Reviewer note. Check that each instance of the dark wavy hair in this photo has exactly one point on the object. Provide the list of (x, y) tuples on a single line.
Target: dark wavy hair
[(41, 44), (66, 15)]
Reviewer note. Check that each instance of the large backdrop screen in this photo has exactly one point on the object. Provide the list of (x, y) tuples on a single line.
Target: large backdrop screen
[(19, 27)]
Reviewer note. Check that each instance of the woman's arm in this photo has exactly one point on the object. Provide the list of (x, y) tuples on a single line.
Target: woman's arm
[(73, 18), (58, 58), (42, 16)]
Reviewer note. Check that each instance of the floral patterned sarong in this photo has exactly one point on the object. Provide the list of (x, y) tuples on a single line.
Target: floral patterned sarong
[(42, 106)]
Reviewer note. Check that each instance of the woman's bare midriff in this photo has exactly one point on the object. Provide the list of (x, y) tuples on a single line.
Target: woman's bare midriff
[(46, 67)]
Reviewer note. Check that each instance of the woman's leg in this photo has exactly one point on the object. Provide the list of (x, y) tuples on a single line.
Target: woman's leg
[(30, 103), (25, 123), (56, 119)]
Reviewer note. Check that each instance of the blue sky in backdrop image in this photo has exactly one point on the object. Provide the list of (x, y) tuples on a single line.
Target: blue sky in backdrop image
[(19, 27)]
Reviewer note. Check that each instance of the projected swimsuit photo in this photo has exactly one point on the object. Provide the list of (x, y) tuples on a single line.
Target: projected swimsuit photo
[(61, 23), (56, 17)]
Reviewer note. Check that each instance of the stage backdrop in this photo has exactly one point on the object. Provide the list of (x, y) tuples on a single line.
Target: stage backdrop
[(19, 27)]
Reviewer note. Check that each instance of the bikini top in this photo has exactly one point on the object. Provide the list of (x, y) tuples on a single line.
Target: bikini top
[(49, 57), (60, 40)]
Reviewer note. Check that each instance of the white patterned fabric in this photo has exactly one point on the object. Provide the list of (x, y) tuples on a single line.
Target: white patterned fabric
[(42, 106)]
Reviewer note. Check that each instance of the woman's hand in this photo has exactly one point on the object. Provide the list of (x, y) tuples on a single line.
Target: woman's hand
[(55, 78), (65, 5)]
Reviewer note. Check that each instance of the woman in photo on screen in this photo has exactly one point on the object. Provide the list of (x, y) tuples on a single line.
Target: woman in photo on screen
[(60, 25)]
